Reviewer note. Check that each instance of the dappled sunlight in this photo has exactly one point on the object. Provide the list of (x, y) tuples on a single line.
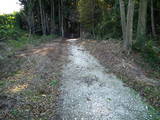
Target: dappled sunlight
[(38, 51), (43, 51), (21, 55), (21, 74), (18, 88), (88, 41), (72, 40), (82, 43)]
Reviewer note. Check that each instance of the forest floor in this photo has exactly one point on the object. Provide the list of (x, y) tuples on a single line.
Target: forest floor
[(29, 88), (61, 80)]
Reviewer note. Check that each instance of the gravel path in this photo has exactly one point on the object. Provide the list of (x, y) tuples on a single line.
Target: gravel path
[(89, 92)]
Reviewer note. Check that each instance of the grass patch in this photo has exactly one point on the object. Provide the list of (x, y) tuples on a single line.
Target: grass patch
[(2, 83), (15, 112), (53, 83), (25, 40)]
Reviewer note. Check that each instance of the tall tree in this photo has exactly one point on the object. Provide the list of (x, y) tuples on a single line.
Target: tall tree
[(127, 24), (52, 16), (62, 18), (142, 18), (123, 18), (89, 11), (152, 19), (42, 15)]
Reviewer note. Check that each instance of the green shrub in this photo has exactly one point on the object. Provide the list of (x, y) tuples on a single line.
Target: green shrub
[(150, 51), (8, 27)]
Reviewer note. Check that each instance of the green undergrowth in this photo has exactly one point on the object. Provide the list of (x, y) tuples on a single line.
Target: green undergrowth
[(9, 47), (150, 53), (32, 40), (13, 38)]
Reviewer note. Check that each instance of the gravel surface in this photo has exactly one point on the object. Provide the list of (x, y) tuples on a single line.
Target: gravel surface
[(90, 92)]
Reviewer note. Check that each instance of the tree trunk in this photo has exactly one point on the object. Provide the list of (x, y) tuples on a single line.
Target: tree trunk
[(127, 27), (42, 18), (93, 18), (30, 16), (62, 19), (141, 29), (59, 14), (52, 18), (33, 23), (29, 24), (47, 23), (123, 18), (152, 19)]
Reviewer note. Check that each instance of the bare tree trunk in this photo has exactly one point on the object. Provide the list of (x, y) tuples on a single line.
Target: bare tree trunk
[(62, 19), (33, 24), (52, 18), (152, 19), (42, 18), (30, 16), (93, 10), (47, 23), (123, 18), (59, 14), (141, 29), (129, 27), (44, 22), (29, 24)]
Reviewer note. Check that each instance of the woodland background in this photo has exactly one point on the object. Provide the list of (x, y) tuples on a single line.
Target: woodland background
[(136, 22)]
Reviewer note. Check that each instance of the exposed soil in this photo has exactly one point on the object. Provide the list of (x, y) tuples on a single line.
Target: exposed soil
[(127, 67), (30, 91)]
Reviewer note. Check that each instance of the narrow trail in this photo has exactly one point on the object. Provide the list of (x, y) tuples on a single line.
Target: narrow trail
[(88, 92)]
